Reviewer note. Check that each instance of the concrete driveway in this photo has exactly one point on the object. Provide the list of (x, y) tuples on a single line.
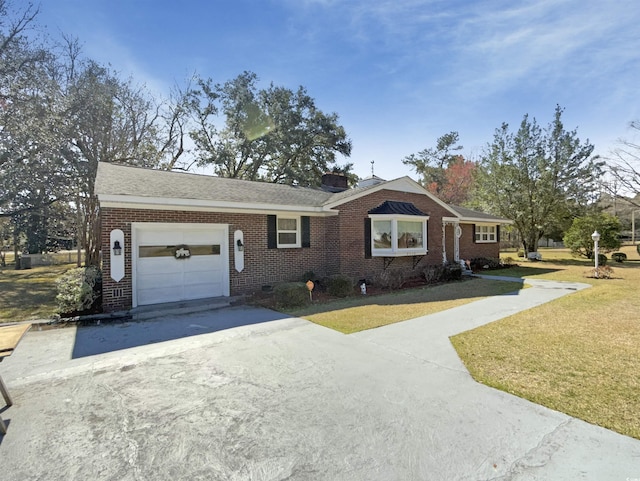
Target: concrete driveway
[(283, 399)]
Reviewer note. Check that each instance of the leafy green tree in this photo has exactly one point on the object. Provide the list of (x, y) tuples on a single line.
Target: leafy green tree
[(539, 178), (273, 134), (578, 237), (431, 164)]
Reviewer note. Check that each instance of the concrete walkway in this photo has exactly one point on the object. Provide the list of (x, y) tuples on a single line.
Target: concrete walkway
[(272, 399)]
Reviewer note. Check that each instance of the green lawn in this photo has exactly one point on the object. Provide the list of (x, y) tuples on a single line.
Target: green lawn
[(578, 355), (366, 312), (29, 294)]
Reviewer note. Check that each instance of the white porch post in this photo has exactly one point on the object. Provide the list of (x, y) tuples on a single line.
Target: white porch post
[(456, 241), (444, 243)]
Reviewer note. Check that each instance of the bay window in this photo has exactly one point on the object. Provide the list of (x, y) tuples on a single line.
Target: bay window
[(398, 236)]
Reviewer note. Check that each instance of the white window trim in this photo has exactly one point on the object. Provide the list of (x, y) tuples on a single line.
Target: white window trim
[(395, 251), (492, 237), (297, 232)]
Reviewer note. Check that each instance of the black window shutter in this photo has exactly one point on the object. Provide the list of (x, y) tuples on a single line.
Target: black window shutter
[(272, 233), (367, 238), (305, 225), (498, 233), (473, 232)]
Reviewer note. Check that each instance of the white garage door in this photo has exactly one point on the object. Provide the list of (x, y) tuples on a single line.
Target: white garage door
[(177, 262)]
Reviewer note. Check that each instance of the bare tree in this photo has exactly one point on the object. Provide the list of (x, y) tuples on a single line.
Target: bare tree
[(624, 164)]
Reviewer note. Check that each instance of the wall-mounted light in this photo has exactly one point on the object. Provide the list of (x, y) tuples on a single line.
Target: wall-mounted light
[(117, 248), (240, 245)]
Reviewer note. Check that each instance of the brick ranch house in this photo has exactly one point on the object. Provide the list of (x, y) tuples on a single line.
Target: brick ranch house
[(169, 236)]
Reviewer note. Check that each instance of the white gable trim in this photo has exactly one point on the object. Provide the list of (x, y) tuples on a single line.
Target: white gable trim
[(402, 184)]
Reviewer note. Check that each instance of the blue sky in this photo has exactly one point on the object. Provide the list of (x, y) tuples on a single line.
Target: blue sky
[(399, 73)]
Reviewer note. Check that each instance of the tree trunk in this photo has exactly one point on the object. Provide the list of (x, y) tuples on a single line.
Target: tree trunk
[(93, 234)]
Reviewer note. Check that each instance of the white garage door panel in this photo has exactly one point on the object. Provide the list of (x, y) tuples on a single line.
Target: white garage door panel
[(155, 296), (205, 263), (160, 277), (204, 237), (160, 280), (159, 237)]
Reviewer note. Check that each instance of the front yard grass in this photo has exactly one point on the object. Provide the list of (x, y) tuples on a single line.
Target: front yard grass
[(355, 314), (29, 294), (578, 355)]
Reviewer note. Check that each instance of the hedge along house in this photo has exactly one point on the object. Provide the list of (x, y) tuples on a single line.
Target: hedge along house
[(169, 236)]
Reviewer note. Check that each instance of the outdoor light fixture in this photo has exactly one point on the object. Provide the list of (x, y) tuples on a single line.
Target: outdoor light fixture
[(596, 237), (240, 245), (117, 248)]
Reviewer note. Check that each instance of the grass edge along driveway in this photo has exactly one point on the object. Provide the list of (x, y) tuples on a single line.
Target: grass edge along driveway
[(577, 355), (358, 313)]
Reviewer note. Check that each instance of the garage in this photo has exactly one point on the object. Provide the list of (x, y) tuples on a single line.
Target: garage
[(179, 262)]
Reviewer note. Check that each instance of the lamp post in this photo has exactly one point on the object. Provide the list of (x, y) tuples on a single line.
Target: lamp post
[(596, 237)]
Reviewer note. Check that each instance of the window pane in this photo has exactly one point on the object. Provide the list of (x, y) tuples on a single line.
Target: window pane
[(381, 232), (286, 238), (287, 224), (409, 234)]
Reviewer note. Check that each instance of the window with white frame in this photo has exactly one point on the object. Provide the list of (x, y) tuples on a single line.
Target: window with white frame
[(486, 233), (288, 231), (398, 236)]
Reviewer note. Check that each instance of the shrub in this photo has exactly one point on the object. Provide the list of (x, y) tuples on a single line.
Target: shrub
[(308, 276), (602, 260), (638, 249), (390, 278), (619, 256), (452, 272), (483, 263), (340, 286), (78, 289), (602, 272), (291, 294), (433, 274), (521, 253)]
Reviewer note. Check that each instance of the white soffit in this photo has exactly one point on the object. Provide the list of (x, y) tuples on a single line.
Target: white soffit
[(157, 203)]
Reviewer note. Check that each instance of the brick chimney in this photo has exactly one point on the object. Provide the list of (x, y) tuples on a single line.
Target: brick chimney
[(332, 182)]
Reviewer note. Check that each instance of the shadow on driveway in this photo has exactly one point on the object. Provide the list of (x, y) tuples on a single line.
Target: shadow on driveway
[(99, 339)]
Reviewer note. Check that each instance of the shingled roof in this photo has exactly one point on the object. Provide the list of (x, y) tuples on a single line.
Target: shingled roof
[(119, 180), (135, 184), (469, 214)]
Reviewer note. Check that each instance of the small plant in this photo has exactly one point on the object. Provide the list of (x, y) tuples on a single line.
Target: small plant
[(602, 272), (291, 294), (340, 286), (521, 253), (602, 259), (433, 274), (619, 256), (638, 249), (390, 279), (78, 289), (507, 262)]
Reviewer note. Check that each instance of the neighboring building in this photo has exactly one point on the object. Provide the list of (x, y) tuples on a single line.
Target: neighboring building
[(171, 236)]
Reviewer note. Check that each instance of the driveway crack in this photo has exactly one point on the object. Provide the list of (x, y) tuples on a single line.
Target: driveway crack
[(540, 455)]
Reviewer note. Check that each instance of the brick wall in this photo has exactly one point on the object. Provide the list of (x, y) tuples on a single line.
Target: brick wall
[(262, 266), (337, 245), (351, 221)]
